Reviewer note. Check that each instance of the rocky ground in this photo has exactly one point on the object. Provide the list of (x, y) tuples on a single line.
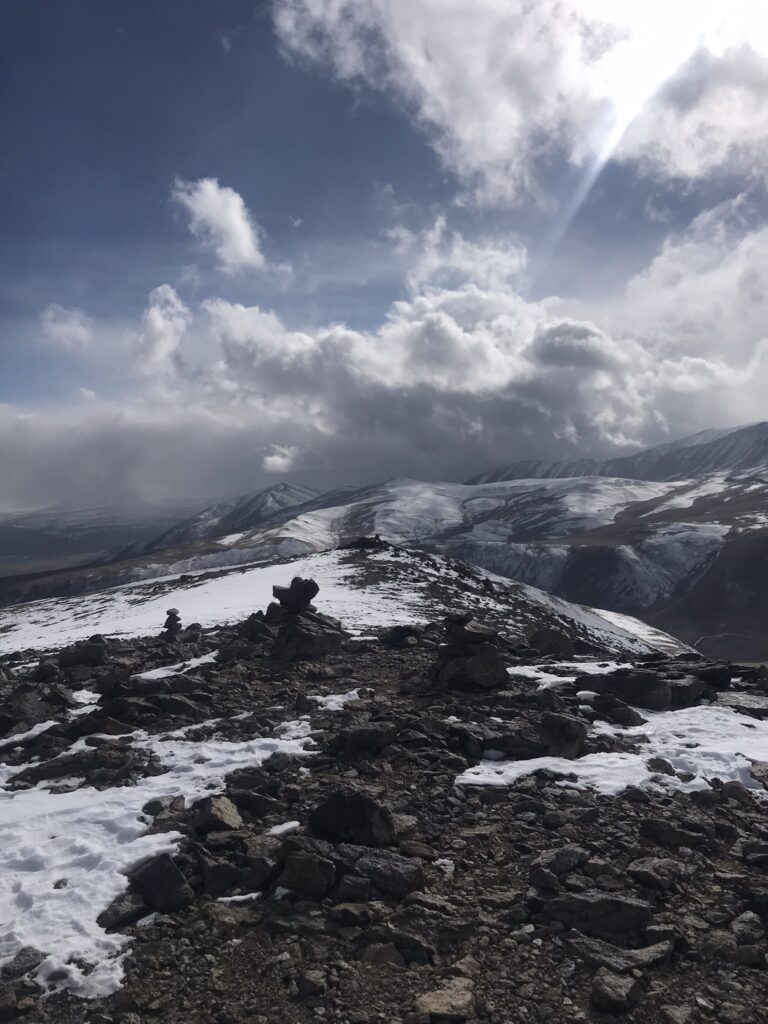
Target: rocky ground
[(375, 888)]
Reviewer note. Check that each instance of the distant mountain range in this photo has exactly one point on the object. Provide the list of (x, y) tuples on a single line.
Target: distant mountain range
[(694, 456), (677, 534)]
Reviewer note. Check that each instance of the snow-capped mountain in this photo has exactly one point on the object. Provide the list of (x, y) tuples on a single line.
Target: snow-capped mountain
[(230, 517), (689, 554), (364, 589), (48, 538), (698, 455)]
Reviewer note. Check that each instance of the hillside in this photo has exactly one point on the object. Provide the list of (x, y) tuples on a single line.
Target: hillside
[(409, 814)]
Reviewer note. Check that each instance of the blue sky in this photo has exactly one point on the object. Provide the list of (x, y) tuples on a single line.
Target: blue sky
[(334, 242)]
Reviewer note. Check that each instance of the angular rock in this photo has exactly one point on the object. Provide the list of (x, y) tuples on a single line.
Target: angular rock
[(390, 872), (599, 914), (122, 911), (27, 959), (350, 816), (759, 772), (655, 872), (463, 629), (643, 687), (614, 993), (564, 735), (554, 863), (473, 666), (358, 740), (85, 652), (307, 874), (598, 953), (549, 640), (686, 692), (609, 706), (215, 814), (162, 884), (306, 640), (455, 1001)]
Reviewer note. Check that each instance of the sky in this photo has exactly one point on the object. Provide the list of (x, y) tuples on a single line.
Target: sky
[(337, 241)]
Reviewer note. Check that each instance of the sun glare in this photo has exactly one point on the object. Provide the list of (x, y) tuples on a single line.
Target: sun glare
[(646, 42)]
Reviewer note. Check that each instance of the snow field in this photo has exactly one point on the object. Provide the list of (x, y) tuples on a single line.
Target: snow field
[(65, 855), (707, 741)]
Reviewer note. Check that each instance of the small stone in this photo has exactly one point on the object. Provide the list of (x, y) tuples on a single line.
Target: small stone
[(453, 1002), (382, 953), (615, 993)]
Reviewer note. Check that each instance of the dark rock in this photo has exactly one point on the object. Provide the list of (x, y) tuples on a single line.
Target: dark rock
[(687, 691), (655, 872), (600, 915), (476, 666), (308, 875), (85, 652), (609, 706), (564, 735), (162, 884), (220, 876), (390, 872), (643, 687), (255, 630), (463, 629), (597, 953), (298, 596), (554, 863), (358, 740), (27, 959), (306, 640), (667, 834), (549, 640), (122, 911), (350, 816), (261, 858), (614, 993)]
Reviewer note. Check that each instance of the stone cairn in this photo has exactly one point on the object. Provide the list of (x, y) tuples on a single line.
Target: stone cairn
[(172, 626), (471, 659), (297, 630)]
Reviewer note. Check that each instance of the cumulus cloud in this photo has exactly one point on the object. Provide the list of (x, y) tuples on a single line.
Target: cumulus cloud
[(70, 329), (163, 326), (220, 221), (500, 86), (461, 374)]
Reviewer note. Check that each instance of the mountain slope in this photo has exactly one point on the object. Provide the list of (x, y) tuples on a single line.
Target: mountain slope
[(363, 589), (698, 455), (230, 517), (46, 539)]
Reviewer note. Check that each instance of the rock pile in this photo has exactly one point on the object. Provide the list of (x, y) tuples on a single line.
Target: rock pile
[(172, 625), (471, 659)]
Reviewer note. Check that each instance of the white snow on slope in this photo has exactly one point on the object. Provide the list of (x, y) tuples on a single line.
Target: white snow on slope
[(138, 609), (90, 838), (707, 741), (132, 610)]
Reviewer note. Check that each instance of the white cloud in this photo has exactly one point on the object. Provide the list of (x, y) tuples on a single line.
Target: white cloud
[(70, 329), (220, 220), (163, 326), (461, 373), (501, 85), (281, 459)]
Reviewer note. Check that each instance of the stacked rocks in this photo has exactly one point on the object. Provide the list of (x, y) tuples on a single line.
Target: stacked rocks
[(471, 658), (303, 634), (172, 626)]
